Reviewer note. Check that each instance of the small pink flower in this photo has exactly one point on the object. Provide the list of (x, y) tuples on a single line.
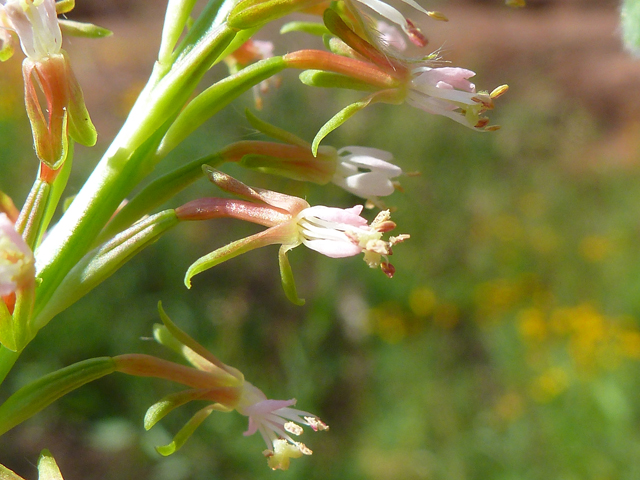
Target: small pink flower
[(447, 91), (334, 232), (277, 421), (16, 259)]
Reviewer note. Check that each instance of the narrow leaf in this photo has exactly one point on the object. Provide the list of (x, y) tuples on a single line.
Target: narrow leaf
[(38, 395)]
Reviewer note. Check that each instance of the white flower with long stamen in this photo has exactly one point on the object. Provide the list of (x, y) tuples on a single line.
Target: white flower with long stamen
[(16, 258), (366, 172), (36, 23), (447, 91), (277, 421)]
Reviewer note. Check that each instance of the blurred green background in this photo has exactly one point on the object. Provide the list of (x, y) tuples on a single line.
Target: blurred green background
[(506, 346)]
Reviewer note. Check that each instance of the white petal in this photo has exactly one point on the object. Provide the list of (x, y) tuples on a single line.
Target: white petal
[(370, 184)]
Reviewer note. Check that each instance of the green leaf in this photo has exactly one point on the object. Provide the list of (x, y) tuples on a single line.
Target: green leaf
[(630, 20), (183, 435), (286, 275), (38, 395), (312, 28), (214, 98)]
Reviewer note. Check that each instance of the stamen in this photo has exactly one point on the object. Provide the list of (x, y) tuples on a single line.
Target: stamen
[(294, 428), (499, 91), (441, 17)]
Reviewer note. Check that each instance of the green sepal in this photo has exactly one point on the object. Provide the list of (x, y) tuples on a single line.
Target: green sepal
[(228, 252), (47, 467), (7, 334), (34, 397), (338, 119), (286, 275), (630, 21), (312, 28), (216, 97), (185, 432), (83, 29), (319, 78), (100, 263), (81, 129), (181, 340), (161, 409), (273, 131)]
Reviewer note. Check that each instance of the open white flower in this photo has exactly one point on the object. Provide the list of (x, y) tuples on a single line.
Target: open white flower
[(16, 258), (366, 172), (36, 23), (277, 421), (447, 91)]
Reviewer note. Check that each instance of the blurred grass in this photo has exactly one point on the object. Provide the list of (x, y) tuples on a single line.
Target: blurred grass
[(506, 346)]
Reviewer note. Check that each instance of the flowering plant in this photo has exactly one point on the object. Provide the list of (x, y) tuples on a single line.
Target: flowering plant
[(45, 267)]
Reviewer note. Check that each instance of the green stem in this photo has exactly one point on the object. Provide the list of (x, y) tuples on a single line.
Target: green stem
[(7, 360)]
